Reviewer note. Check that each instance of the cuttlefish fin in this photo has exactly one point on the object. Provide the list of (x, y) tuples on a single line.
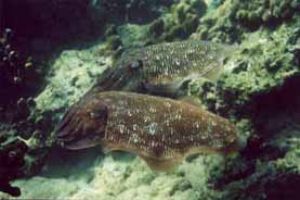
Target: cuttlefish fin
[(161, 165), (191, 100), (82, 143), (165, 90)]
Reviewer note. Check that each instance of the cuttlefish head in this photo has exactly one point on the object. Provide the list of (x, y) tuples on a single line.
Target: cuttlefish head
[(122, 75), (83, 125)]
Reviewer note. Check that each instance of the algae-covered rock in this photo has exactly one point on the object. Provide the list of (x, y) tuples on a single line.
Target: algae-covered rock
[(180, 21), (133, 35), (235, 17), (257, 67), (259, 86), (122, 176), (73, 72)]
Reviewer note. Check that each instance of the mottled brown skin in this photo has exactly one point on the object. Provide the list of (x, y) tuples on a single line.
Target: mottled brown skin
[(160, 130), (165, 69)]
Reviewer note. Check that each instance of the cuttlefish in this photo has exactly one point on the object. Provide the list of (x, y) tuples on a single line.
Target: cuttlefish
[(160, 130), (165, 69)]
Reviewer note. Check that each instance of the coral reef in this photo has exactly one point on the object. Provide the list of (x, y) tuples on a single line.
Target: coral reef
[(60, 92), (119, 176), (233, 18), (180, 22), (83, 67), (256, 68), (258, 91), (23, 129)]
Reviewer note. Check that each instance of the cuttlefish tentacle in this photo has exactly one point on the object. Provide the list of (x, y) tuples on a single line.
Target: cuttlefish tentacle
[(66, 132), (160, 130), (67, 123), (67, 117)]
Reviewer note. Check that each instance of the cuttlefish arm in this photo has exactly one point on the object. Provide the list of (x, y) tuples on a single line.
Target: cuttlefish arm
[(83, 125)]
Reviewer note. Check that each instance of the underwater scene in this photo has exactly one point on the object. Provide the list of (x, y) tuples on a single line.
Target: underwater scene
[(150, 99)]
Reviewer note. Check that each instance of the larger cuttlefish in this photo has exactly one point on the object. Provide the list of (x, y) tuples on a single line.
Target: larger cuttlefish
[(165, 69), (160, 130)]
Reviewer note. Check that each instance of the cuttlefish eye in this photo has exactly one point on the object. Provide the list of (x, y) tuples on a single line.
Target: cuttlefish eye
[(135, 66)]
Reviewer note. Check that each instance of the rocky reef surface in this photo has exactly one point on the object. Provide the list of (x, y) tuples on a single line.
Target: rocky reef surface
[(258, 91)]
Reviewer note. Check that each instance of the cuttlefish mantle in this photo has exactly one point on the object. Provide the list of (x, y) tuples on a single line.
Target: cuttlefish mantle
[(160, 130)]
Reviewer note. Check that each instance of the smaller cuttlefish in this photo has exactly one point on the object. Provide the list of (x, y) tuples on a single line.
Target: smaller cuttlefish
[(165, 69), (160, 130)]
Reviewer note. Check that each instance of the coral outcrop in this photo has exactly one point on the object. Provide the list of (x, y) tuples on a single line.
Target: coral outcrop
[(233, 18), (259, 92), (181, 20), (16, 78)]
